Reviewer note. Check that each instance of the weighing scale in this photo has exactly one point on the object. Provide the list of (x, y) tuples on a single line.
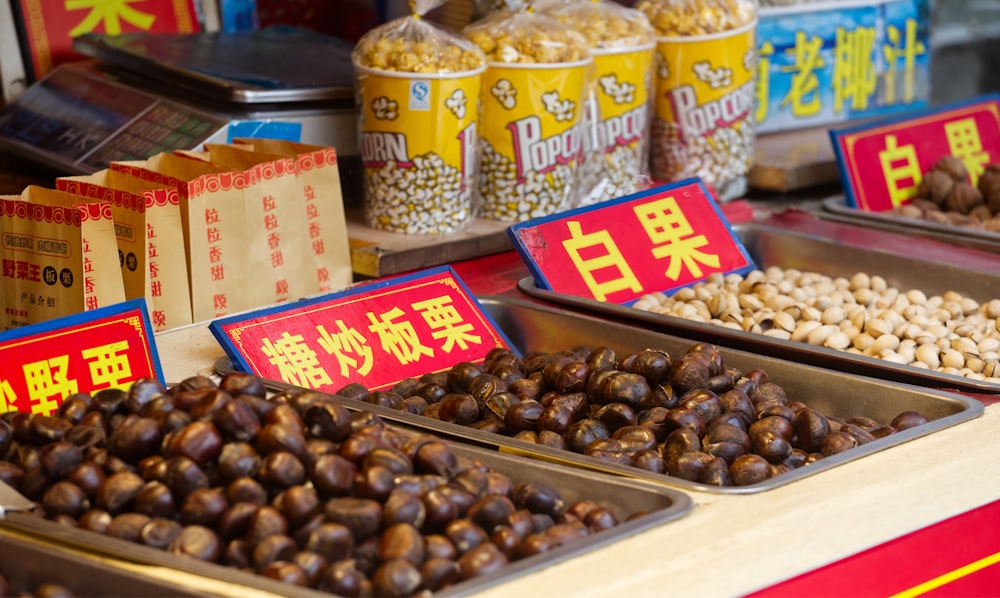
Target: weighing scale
[(142, 94)]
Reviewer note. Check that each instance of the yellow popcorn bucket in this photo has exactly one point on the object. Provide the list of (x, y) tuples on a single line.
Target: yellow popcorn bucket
[(703, 111), (619, 156), (531, 139), (419, 143)]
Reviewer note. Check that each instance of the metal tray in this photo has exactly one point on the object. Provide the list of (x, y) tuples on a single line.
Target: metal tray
[(776, 247), (836, 209), (621, 495), (531, 326)]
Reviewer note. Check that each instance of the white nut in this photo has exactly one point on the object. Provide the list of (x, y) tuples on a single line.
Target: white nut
[(804, 329), (951, 358), (778, 333), (837, 340), (819, 335), (877, 327), (863, 341), (834, 314), (885, 342)]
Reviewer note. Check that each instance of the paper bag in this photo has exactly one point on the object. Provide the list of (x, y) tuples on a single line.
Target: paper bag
[(319, 177), (150, 236), (230, 268), (59, 256)]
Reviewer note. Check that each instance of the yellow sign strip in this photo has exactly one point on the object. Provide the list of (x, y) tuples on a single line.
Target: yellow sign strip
[(949, 577)]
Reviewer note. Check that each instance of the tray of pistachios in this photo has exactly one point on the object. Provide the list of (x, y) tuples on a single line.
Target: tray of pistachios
[(216, 488), (819, 301), (610, 397)]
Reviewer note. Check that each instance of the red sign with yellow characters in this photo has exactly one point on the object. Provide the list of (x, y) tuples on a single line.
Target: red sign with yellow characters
[(654, 241), (109, 347), (882, 164), (377, 334), (49, 26)]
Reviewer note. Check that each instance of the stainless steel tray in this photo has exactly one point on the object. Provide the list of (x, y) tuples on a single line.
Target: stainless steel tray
[(836, 209), (621, 495), (776, 247), (531, 326)]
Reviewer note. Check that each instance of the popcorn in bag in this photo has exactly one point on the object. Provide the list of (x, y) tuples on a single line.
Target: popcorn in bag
[(616, 159), (418, 91), (704, 78), (534, 91)]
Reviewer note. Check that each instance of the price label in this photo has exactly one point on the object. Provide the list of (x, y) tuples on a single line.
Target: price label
[(654, 241), (882, 164), (377, 334), (109, 347)]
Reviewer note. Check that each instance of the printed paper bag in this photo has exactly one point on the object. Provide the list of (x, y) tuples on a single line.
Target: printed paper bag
[(228, 265), (59, 256), (319, 177), (149, 233)]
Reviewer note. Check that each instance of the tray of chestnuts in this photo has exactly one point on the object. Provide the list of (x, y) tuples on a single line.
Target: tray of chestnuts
[(828, 303), (610, 397), (220, 489), (946, 208)]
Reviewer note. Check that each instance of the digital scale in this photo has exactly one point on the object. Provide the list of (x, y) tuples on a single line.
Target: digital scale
[(142, 94)]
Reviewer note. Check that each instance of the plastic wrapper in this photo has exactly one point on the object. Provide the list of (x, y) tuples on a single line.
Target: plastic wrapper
[(534, 91), (617, 118), (704, 79), (418, 90)]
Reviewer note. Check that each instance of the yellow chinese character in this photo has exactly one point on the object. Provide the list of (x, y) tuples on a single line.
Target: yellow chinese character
[(805, 83), (108, 365), (853, 68), (763, 79), (398, 338), (899, 165), (965, 144), (111, 13), (610, 257), (667, 227), (47, 378), (7, 396), (445, 322), (296, 362), (340, 344), (906, 49)]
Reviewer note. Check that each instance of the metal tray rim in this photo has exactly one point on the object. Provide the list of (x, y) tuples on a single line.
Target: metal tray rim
[(973, 409)]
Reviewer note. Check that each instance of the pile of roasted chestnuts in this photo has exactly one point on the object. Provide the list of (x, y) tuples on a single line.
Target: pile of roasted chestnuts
[(44, 590), (294, 487), (945, 196)]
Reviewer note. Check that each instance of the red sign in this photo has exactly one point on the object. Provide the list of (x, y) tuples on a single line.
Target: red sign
[(881, 165), (654, 241), (376, 335), (109, 347), (49, 26), (959, 556)]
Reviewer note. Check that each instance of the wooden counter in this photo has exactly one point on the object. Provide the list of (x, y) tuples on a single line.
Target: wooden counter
[(730, 545)]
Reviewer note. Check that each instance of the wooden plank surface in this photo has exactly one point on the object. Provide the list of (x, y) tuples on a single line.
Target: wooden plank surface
[(793, 160), (376, 253)]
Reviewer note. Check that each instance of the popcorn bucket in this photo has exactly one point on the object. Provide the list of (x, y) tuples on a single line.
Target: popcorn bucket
[(703, 112), (418, 148), (619, 138), (532, 139)]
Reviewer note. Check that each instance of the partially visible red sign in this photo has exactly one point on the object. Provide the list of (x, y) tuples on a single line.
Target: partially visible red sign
[(654, 241), (110, 347), (881, 165), (959, 556), (375, 335), (51, 25)]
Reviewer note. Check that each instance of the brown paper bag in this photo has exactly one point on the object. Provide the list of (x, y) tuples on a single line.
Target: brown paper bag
[(319, 177), (149, 231), (59, 256)]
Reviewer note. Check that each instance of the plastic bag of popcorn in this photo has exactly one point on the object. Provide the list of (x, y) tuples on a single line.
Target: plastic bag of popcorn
[(621, 40), (418, 92), (704, 80), (534, 90)]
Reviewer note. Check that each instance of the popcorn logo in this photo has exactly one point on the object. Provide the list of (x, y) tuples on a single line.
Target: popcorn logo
[(385, 109), (622, 130), (662, 66), (563, 110), (533, 153), (456, 103), (698, 120), (716, 78), (379, 148), (505, 93), (620, 93)]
